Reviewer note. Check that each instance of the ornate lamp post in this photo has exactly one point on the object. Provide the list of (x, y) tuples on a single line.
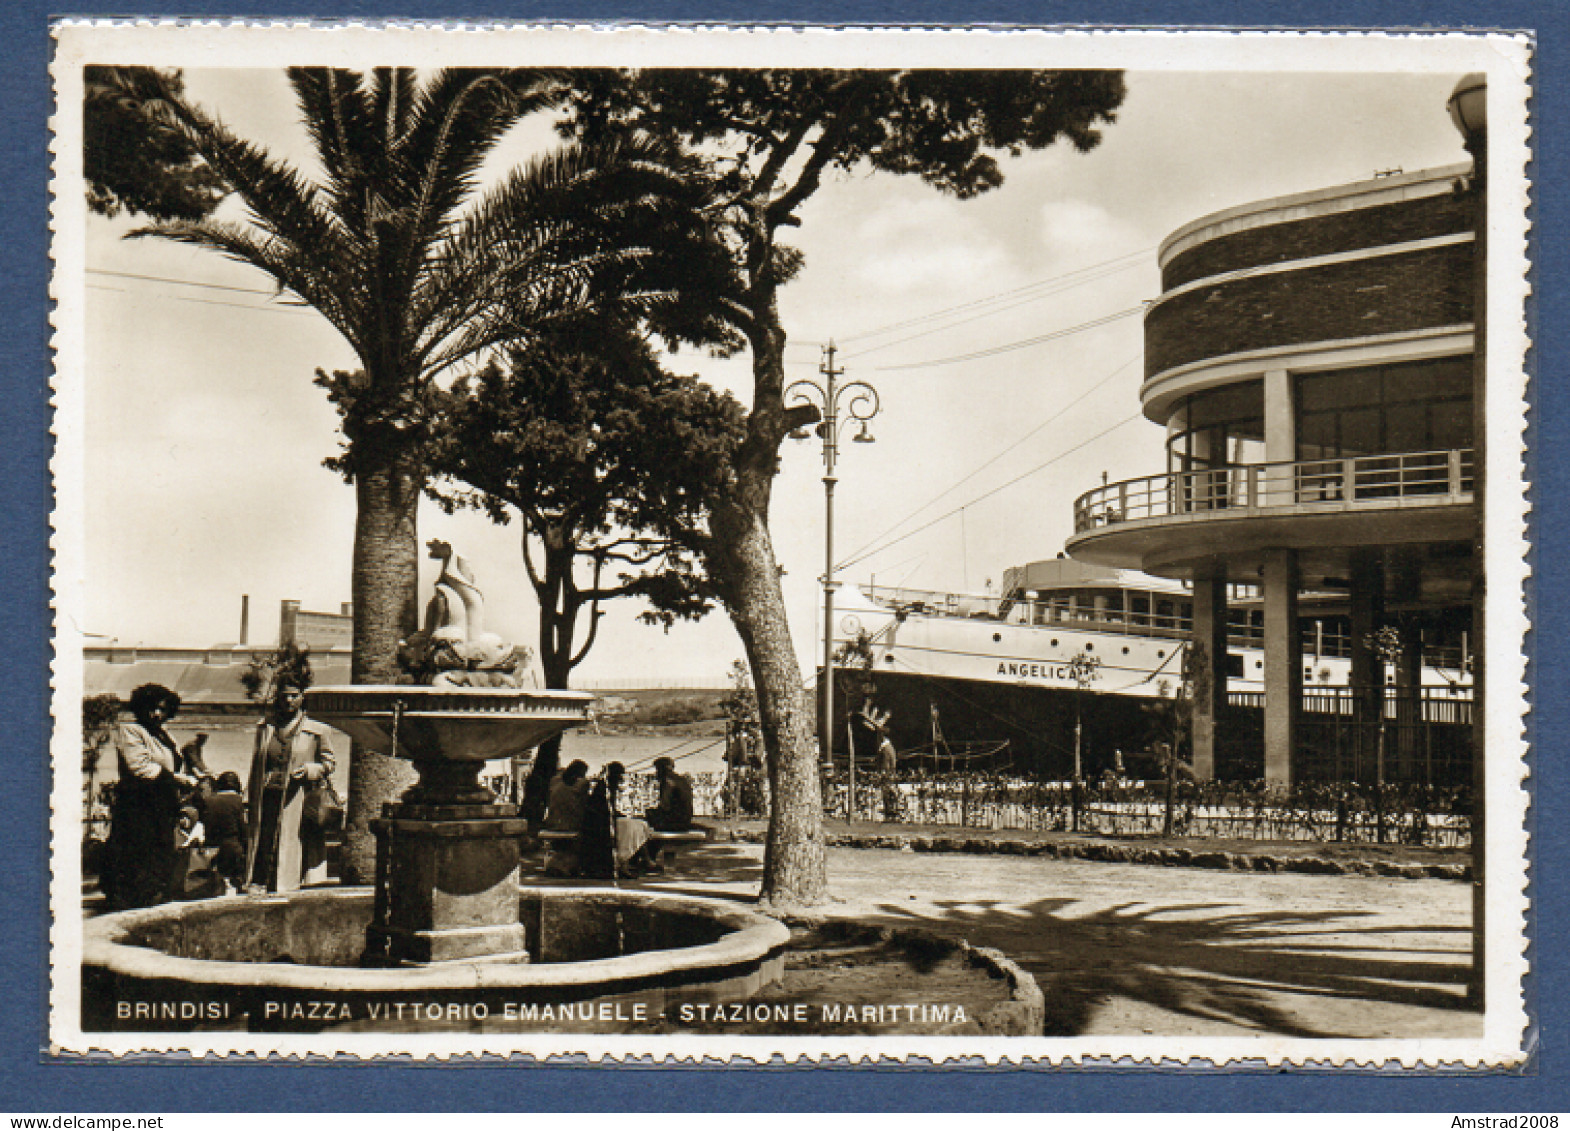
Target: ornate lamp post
[(825, 402), (1469, 111)]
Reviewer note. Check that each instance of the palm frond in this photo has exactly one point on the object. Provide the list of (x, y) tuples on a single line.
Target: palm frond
[(458, 118), (337, 111), (520, 304), (331, 293), (395, 95), (602, 227), (289, 206)]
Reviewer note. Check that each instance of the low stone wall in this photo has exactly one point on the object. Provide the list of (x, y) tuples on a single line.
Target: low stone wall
[(1130, 854), (1021, 1013)]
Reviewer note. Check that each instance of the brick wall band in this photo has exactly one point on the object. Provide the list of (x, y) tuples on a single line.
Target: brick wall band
[(1389, 294), (1400, 222)]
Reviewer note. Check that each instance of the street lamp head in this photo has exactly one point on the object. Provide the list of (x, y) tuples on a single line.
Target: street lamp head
[(864, 436), (1469, 107)]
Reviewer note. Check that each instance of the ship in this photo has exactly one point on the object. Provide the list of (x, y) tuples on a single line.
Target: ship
[(1070, 654)]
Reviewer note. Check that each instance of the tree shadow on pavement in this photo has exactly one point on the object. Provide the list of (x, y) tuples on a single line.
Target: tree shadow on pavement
[(712, 865), (1203, 961)]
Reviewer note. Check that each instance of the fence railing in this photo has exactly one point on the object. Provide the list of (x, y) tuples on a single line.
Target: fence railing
[(1352, 704), (1330, 812), (1320, 812), (1345, 483)]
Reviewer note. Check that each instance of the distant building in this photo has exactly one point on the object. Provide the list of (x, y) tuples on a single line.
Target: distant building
[(210, 676), (315, 630), (1310, 357)]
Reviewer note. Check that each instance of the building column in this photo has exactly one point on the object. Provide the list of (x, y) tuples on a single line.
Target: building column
[(1367, 678), (1280, 418), (1279, 487), (1283, 665), (1208, 666), (1408, 746)]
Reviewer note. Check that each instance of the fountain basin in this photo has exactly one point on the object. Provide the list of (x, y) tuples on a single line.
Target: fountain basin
[(290, 963), (454, 724)]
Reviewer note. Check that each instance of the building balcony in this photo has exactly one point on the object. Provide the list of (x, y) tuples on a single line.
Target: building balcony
[(1161, 522)]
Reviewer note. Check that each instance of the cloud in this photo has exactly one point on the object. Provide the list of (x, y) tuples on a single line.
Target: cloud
[(1077, 230), (929, 243)]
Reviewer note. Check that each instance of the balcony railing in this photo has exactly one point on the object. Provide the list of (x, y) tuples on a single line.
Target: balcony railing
[(1342, 483)]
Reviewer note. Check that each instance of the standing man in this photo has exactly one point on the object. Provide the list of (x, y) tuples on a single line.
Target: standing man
[(293, 756), (878, 722)]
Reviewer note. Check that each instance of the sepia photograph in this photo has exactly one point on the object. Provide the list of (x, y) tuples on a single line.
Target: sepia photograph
[(741, 543)]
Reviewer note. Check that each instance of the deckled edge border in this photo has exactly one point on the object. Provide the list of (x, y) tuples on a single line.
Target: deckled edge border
[(1508, 505)]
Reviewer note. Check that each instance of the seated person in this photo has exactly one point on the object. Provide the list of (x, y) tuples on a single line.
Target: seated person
[(564, 814), (596, 843), (224, 817), (631, 834), (673, 812), (189, 832), (564, 810), (188, 837)]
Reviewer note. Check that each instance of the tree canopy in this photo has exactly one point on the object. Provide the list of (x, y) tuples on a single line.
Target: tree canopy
[(423, 272), (132, 161), (767, 138), (611, 464)]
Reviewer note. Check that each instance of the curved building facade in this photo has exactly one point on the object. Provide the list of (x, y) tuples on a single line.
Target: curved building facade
[(1310, 358)]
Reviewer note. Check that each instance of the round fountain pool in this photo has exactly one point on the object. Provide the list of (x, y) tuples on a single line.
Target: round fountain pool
[(291, 963)]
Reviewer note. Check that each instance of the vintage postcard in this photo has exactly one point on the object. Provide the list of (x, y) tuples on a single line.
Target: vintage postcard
[(727, 544)]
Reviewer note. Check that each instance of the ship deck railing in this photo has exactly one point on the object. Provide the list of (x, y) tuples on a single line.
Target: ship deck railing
[(1318, 642), (1041, 613)]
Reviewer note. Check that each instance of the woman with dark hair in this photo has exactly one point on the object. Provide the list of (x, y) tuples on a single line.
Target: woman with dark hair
[(140, 855), (569, 791)]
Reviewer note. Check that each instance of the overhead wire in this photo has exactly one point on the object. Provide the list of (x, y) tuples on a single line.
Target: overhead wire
[(181, 282), (1097, 386), (1026, 301), (1066, 281), (863, 556), (286, 307), (993, 351)]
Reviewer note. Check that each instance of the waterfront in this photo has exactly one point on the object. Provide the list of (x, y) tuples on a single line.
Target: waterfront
[(230, 739)]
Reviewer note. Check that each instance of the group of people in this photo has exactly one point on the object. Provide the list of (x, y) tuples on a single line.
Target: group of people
[(168, 806), (610, 843)]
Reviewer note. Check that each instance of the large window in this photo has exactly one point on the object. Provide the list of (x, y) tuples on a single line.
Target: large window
[(1221, 427), (1419, 406)]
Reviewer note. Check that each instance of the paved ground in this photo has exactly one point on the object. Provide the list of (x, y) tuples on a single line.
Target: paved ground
[(1129, 949)]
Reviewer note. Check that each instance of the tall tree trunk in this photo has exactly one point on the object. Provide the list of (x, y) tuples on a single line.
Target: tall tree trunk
[(556, 623), (386, 573), (795, 872)]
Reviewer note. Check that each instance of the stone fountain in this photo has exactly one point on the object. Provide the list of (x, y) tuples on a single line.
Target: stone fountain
[(447, 922), (447, 852)]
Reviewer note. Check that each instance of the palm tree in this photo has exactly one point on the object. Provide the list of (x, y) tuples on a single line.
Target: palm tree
[(420, 272)]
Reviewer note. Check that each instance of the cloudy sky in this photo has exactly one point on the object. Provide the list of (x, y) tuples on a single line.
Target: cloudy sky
[(205, 436)]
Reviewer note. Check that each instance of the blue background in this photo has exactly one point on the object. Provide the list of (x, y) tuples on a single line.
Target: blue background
[(29, 1083)]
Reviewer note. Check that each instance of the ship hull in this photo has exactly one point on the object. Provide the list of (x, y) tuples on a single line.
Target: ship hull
[(941, 724), (969, 683)]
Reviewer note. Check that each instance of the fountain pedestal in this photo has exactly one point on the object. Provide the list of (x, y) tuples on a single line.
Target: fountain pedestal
[(447, 854), (446, 885)]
